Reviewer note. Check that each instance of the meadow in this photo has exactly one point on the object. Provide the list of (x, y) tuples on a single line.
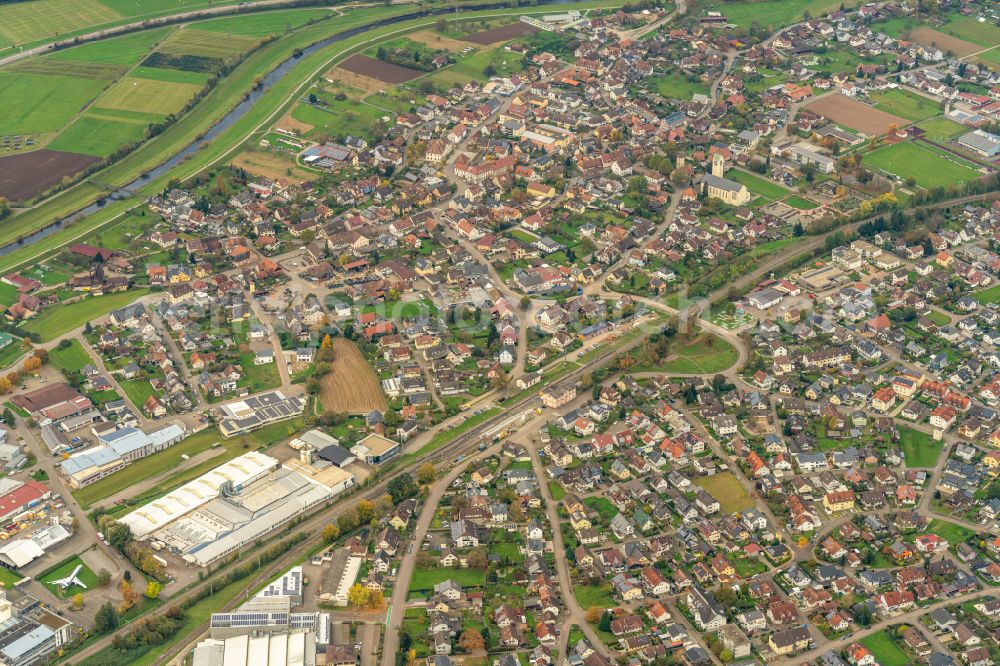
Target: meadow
[(678, 86), (928, 167), (905, 104), (56, 321)]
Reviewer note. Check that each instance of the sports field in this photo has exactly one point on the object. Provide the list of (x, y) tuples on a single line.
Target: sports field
[(941, 129), (927, 166), (905, 104)]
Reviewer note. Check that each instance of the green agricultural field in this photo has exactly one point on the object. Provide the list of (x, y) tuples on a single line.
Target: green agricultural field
[(941, 129), (170, 75), (777, 13), (758, 185), (22, 22), (98, 135), (919, 448), (886, 652), (64, 569), (43, 103), (264, 24), (984, 33), (125, 50), (69, 68), (927, 166), (69, 359), (56, 321), (148, 96), (707, 354), (950, 532), (728, 490), (678, 86), (905, 104), (193, 41)]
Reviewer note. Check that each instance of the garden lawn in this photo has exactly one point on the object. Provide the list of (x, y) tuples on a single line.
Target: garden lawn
[(886, 652), (69, 359), (928, 167), (950, 532), (258, 377), (706, 354), (801, 203), (9, 578), (56, 321), (919, 448), (592, 595), (603, 507), (758, 185), (138, 391), (727, 490), (426, 579), (64, 569), (905, 104), (991, 295)]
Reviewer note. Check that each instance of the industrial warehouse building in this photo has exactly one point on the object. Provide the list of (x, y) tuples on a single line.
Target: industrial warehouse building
[(233, 505), (117, 449)]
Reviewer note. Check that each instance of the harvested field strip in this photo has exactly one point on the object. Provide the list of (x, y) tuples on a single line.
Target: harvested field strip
[(25, 175), (501, 34), (205, 43), (351, 385), (927, 36), (436, 40), (68, 68), (856, 115), (376, 69)]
